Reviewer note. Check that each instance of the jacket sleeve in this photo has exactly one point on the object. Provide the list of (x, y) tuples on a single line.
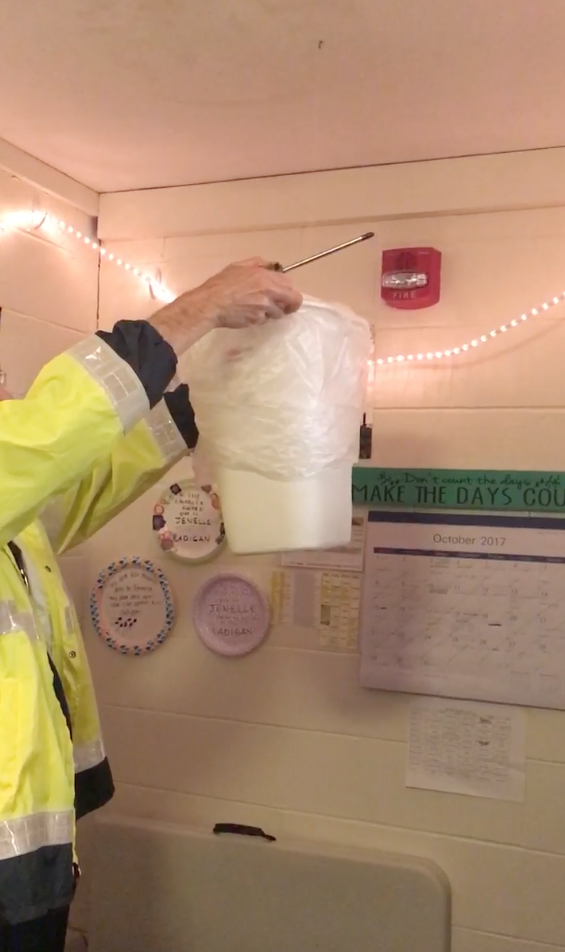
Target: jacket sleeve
[(76, 411), (136, 462)]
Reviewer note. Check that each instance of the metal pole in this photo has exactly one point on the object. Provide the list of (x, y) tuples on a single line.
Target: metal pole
[(324, 254)]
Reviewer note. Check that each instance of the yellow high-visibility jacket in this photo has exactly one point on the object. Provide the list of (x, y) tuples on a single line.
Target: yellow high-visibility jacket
[(73, 453)]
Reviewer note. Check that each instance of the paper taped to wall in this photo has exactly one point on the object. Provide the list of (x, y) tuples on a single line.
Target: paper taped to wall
[(338, 600), (293, 599), (467, 748), (326, 601)]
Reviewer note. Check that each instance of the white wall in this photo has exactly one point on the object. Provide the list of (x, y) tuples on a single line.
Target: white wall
[(48, 282), (285, 738)]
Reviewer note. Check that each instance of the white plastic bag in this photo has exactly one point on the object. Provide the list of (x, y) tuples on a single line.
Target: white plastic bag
[(283, 401)]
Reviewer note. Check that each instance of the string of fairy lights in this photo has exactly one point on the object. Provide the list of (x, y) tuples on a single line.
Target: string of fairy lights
[(162, 293)]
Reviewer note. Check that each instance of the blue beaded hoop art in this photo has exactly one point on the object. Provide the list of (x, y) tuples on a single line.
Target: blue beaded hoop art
[(131, 606)]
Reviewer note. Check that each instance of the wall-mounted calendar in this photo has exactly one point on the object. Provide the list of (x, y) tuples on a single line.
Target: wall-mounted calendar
[(465, 605)]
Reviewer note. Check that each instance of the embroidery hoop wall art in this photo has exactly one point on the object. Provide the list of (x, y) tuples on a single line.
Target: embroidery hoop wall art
[(131, 606), (188, 522), (231, 615)]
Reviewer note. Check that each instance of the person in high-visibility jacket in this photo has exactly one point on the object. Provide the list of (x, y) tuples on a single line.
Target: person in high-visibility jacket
[(96, 429)]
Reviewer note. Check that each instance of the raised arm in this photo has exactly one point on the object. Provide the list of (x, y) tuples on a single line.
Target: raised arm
[(87, 415)]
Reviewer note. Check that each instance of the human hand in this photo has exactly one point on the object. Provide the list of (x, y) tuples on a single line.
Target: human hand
[(246, 294), (242, 295)]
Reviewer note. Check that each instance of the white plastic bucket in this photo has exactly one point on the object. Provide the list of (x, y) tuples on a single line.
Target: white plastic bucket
[(272, 515), (279, 409)]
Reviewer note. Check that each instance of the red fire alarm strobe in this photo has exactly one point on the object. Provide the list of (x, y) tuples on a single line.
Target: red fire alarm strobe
[(410, 277)]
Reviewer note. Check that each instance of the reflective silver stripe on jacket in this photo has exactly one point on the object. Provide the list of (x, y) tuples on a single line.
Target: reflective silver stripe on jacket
[(29, 833), (116, 377), (88, 755), (12, 619), (165, 433)]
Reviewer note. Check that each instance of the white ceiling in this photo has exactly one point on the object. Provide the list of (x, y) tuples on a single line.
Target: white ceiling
[(124, 94)]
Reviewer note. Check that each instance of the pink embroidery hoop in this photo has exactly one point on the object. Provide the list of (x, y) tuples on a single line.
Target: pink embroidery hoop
[(231, 615)]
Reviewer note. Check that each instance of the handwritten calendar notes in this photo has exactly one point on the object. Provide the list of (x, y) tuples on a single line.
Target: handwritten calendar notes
[(467, 748), (465, 606)]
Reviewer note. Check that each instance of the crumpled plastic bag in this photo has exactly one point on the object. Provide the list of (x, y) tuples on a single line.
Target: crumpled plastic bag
[(284, 399)]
